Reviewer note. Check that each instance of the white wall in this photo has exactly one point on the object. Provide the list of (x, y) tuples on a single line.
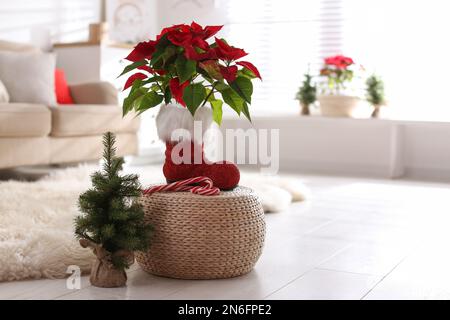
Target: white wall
[(131, 21), (66, 20), (204, 12), (426, 148)]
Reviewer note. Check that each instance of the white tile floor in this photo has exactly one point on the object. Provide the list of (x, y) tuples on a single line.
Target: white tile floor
[(355, 239)]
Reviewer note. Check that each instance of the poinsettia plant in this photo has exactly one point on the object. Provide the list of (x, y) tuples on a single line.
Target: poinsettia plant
[(182, 65), (338, 72)]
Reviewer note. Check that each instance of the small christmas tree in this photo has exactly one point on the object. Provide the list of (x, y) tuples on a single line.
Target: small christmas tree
[(375, 90), (306, 94), (375, 93), (112, 221)]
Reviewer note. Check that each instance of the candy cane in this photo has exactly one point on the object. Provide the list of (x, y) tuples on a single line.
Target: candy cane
[(204, 186)]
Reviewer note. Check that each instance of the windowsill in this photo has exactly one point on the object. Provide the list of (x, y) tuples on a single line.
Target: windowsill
[(290, 115)]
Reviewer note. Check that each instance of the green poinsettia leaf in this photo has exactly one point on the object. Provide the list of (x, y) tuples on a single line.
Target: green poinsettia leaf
[(204, 74), (243, 87), (193, 96), (232, 99), (169, 54), (137, 84), (212, 68), (157, 61), (132, 66), (185, 68), (167, 96), (152, 79), (157, 57), (246, 112), (149, 100), (219, 85), (135, 92), (216, 106), (244, 72)]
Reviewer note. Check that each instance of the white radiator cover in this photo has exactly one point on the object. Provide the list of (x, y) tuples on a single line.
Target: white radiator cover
[(361, 147)]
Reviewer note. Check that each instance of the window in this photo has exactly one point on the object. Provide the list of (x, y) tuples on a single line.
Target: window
[(33, 21), (405, 42), (283, 38)]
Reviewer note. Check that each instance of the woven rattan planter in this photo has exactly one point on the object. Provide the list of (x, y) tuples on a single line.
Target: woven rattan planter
[(201, 237)]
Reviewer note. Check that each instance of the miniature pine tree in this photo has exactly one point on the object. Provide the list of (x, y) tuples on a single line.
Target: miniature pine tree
[(307, 93), (111, 216), (375, 91)]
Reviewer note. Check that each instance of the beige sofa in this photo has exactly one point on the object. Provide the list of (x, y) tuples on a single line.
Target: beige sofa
[(33, 134)]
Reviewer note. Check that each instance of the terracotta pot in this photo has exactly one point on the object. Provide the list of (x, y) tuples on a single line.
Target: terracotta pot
[(337, 105), (304, 109)]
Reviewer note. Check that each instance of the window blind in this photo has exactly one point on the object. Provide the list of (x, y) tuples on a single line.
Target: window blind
[(284, 39)]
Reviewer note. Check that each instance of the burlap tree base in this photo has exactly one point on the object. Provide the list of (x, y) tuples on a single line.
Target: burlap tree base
[(103, 272)]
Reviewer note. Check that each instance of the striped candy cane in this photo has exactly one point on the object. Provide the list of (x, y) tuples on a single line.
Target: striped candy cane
[(203, 186)]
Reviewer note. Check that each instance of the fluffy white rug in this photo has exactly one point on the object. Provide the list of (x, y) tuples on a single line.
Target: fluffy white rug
[(36, 218)]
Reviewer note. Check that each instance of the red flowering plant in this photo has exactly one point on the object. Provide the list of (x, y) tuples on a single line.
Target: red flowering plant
[(182, 65), (338, 71)]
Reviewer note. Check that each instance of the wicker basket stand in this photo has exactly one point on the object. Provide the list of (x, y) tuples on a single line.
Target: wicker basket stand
[(203, 237)]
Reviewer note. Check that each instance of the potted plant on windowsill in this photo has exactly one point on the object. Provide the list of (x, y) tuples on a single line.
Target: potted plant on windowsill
[(375, 94), (335, 101), (306, 95)]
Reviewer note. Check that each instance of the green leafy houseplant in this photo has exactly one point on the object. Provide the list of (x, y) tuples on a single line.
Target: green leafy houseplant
[(181, 65), (375, 93), (306, 94), (112, 221)]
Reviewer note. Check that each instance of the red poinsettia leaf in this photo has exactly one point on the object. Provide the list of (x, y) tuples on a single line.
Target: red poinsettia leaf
[(146, 68), (251, 67), (177, 90), (211, 30), (330, 60), (339, 61), (204, 33), (191, 54), (152, 71), (222, 44), (174, 27), (143, 50), (179, 38), (200, 43), (229, 73), (227, 52), (132, 78), (196, 27)]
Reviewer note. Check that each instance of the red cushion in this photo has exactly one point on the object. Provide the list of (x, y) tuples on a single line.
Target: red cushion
[(62, 90)]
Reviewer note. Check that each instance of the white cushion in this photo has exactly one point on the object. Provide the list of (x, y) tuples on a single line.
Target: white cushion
[(29, 77), (4, 96), (83, 120), (24, 120)]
